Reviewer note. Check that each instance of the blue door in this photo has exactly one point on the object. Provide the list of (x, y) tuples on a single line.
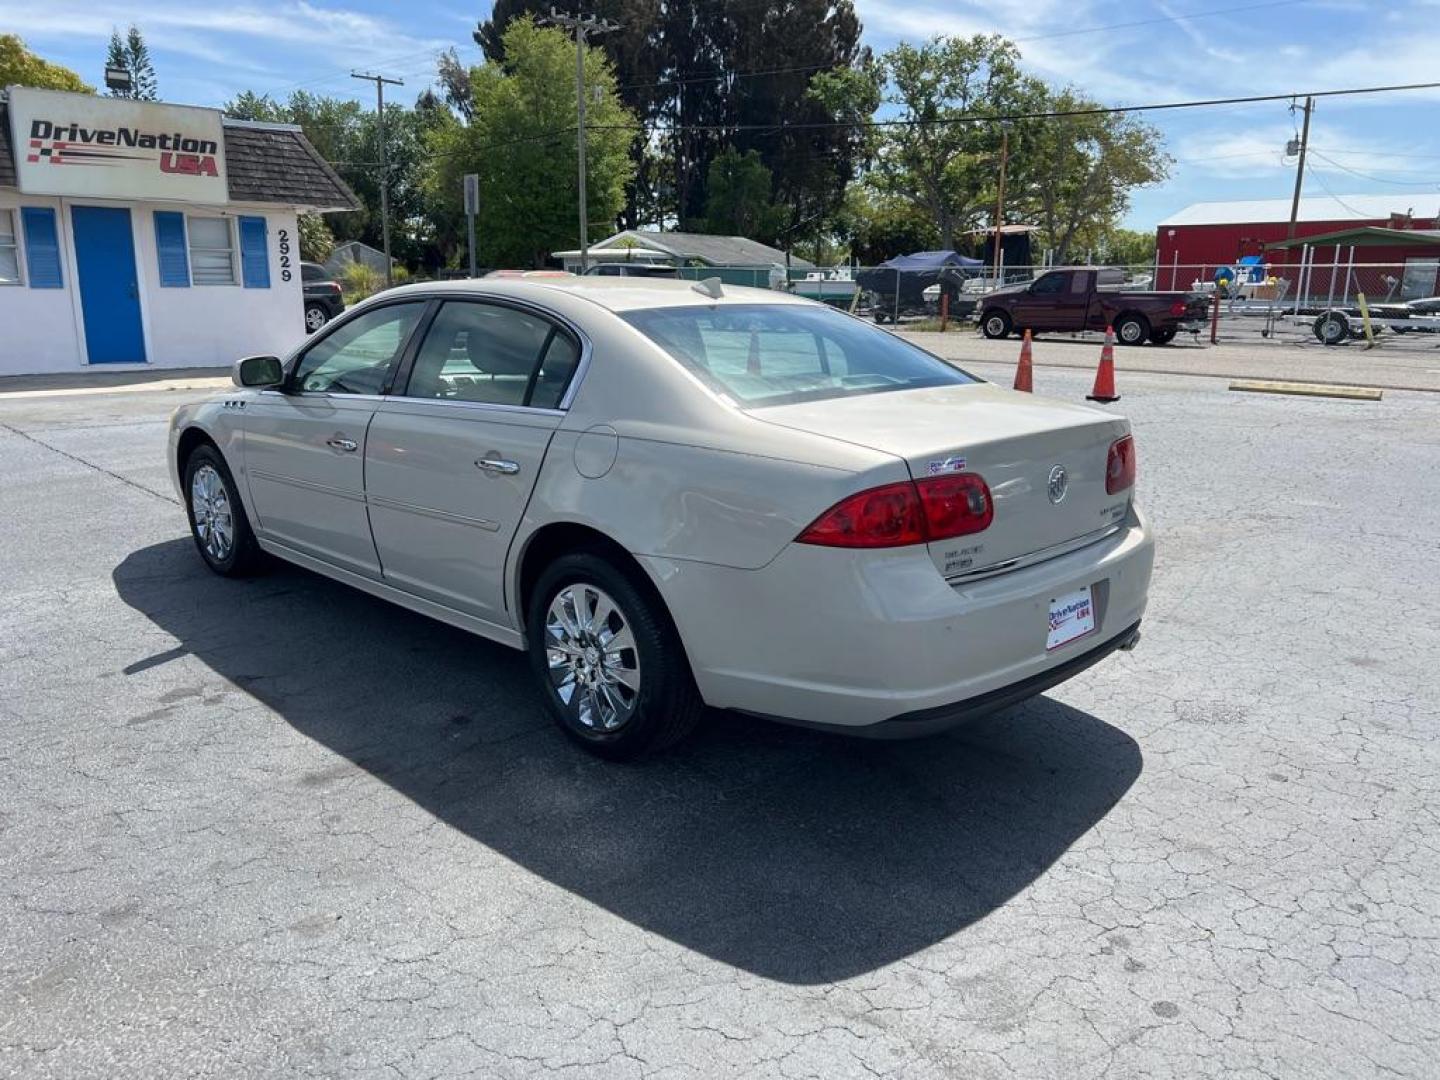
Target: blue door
[(109, 285)]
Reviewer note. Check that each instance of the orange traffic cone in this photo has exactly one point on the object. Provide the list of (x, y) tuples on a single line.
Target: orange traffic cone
[(1105, 375), (1023, 374)]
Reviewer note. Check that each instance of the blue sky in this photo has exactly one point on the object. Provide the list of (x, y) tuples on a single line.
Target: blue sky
[(1385, 144)]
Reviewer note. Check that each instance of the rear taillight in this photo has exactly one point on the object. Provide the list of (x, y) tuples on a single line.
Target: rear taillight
[(1178, 308), (955, 505), (1120, 468), (913, 512)]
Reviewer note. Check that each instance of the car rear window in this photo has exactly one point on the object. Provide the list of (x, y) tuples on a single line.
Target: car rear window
[(774, 354)]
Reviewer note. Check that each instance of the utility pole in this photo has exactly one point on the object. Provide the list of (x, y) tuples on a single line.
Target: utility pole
[(1000, 201), (1300, 167), (380, 83), (581, 27)]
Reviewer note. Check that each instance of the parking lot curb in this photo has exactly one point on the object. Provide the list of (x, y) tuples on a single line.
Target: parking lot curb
[(1300, 389)]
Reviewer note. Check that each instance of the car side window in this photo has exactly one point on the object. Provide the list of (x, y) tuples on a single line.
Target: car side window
[(494, 355), (358, 355), (1050, 283), (557, 368), (311, 273)]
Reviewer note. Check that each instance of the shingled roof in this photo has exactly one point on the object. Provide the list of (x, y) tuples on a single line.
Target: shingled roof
[(264, 163)]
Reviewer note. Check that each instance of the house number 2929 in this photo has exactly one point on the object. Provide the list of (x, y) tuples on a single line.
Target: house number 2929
[(285, 264)]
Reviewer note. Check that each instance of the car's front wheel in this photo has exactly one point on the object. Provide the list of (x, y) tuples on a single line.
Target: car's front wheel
[(995, 325), (315, 317), (609, 663), (218, 524)]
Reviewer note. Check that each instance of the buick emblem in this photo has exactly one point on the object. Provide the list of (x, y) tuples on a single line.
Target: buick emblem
[(1059, 483)]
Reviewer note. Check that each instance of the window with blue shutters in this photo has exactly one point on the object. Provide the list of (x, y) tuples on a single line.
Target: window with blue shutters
[(170, 249), (42, 248), (254, 253)]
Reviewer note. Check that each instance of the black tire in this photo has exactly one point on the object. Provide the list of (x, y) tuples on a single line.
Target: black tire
[(995, 324), (667, 706), (1331, 328), (242, 556), (1162, 337), (315, 317), (1132, 329)]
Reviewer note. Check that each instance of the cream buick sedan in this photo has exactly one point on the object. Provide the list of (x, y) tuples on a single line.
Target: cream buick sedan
[(679, 495)]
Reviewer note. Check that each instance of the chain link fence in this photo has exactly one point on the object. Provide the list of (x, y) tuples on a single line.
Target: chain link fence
[(1308, 301)]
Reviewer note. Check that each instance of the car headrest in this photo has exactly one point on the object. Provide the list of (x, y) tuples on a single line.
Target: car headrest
[(501, 348)]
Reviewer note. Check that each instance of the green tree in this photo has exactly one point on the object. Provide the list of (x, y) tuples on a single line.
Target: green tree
[(737, 197), (521, 143), (713, 76), (937, 157), (316, 239), (1076, 172), (347, 135), (21, 67), (132, 54), (1125, 247), (880, 226)]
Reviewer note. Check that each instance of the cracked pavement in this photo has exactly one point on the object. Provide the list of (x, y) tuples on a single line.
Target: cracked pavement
[(279, 828)]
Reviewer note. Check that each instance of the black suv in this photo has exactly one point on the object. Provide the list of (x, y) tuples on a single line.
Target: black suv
[(323, 300)]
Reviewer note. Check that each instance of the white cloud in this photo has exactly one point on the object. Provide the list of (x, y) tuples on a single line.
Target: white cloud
[(247, 40)]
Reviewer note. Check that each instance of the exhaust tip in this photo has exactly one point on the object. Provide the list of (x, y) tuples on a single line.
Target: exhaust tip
[(1129, 643)]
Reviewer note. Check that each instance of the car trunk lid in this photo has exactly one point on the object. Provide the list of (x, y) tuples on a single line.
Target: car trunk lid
[(1016, 442)]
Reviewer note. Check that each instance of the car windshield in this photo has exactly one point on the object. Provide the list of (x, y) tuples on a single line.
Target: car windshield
[(775, 354)]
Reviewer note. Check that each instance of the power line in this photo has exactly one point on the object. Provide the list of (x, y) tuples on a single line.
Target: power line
[(1052, 114), (1433, 182)]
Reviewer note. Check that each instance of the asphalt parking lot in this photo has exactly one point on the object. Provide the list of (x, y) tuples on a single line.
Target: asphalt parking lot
[(278, 828)]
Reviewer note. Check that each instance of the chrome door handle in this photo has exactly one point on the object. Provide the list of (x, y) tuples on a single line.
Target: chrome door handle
[(338, 443), (498, 466)]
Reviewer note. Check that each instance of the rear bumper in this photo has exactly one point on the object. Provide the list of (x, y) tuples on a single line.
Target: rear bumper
[(877, 639)]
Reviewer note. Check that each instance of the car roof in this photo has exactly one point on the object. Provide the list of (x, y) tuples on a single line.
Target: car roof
[(613, 293)]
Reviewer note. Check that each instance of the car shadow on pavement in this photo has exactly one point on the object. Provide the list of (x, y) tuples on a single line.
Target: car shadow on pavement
[(793, 855)]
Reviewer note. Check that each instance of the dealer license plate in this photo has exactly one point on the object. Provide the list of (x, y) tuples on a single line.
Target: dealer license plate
[(1071, 616)]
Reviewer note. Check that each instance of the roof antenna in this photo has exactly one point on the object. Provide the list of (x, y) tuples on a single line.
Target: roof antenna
[(709, 287)]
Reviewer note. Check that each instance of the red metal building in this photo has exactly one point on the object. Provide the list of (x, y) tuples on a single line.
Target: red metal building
[(1195, 242)]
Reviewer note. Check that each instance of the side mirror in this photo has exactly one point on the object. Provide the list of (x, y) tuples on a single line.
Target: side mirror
[(258, 372)]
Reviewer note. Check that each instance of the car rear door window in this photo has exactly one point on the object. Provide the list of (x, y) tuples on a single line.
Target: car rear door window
[(359, 354), (494, 355)]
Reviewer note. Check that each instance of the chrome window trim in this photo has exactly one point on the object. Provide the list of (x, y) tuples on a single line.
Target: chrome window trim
[(587, 347), (486, 406)]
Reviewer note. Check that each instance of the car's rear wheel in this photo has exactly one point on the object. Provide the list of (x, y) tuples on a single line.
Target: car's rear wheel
[(315, 317), (995, 325), (218, 524), (1162, 337), (610, 665), (1132, 329)]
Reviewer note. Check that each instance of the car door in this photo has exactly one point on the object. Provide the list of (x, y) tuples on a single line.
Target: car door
[(451, 462), (1035, 309), (305, 444)]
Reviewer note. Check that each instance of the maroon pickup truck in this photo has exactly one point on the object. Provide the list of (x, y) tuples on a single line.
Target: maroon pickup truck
[(1081, 299)]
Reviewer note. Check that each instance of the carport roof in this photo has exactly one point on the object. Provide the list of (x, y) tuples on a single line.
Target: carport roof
[(1365, 236), (264, 163)]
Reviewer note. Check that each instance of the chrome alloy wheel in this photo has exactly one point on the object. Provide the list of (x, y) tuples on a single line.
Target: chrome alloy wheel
[(315, 318), (210, 505), (594, 664)]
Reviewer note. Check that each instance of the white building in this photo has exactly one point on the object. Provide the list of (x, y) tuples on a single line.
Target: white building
[(137, 234)]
